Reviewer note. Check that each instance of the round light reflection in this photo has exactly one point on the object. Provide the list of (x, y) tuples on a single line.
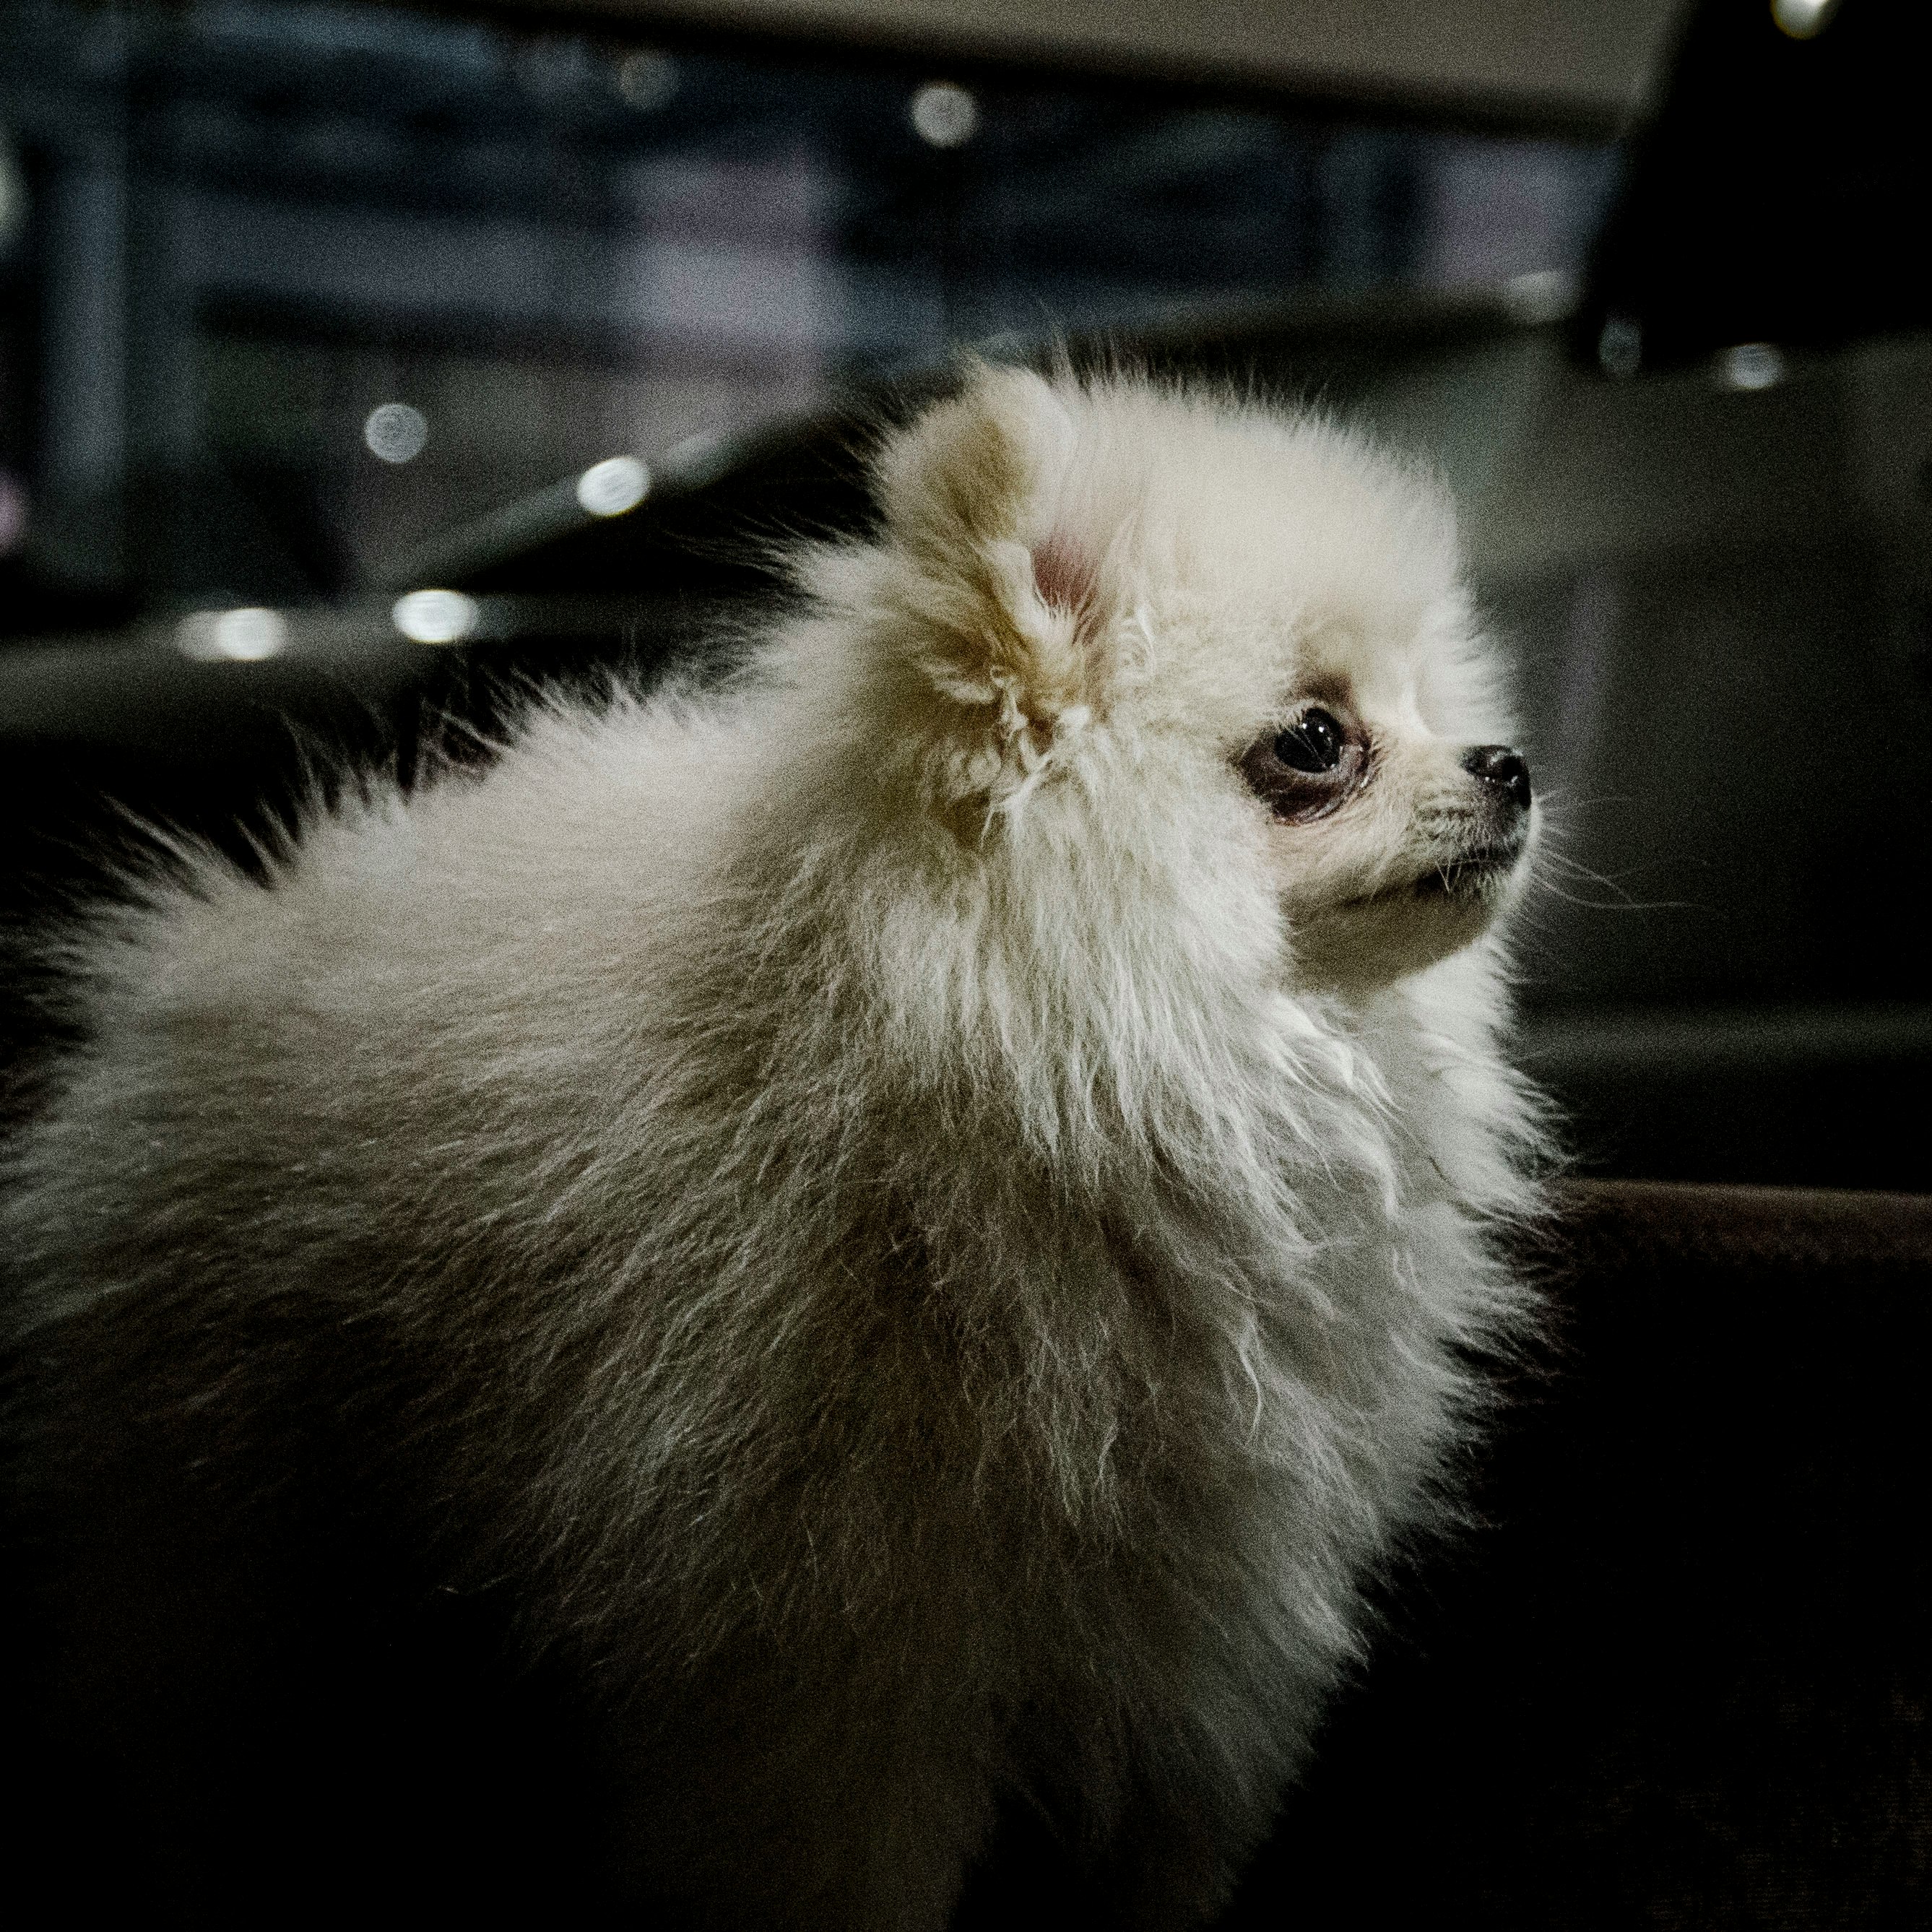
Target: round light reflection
[(244, 636), (436, 617), (1752, 365), (609, 488), (944, 115), (396, 432), (1803, 19)]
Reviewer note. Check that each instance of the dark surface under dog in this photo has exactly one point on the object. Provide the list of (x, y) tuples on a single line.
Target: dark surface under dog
[(1676, 1675), (1680, 1675)]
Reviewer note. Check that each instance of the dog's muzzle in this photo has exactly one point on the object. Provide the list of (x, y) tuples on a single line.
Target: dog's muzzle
[(1500, 829)]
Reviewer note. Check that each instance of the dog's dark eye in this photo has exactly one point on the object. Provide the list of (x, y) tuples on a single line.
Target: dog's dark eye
[(1312, 744), (1310, 769)]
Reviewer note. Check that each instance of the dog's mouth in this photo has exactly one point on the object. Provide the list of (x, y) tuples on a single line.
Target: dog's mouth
[(1470, 875), (1468, 872)]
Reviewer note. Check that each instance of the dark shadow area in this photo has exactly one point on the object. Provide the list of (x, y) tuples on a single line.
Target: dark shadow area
[(1677, 1675)]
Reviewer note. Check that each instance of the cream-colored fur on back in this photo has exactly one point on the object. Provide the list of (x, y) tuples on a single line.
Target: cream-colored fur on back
[(928, 1295)]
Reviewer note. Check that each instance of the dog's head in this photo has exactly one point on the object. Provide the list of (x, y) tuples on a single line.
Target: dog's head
[(1114, 592)]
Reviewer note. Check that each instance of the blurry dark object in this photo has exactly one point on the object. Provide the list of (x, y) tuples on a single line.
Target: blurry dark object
[(250, 240), (715, 532), (1782, 195)]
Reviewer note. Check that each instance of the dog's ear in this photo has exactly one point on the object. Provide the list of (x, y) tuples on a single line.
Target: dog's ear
[(997, 597)]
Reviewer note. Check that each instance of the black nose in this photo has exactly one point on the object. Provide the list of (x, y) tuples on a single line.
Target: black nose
[(1508, 771)]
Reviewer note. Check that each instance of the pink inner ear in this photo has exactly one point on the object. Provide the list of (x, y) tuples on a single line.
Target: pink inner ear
[(1068, 576)]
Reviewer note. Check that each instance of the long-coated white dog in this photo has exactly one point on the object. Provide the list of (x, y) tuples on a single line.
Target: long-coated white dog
[(925, 1216)]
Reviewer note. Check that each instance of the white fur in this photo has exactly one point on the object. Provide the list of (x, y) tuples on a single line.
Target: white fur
[(934, 1294)]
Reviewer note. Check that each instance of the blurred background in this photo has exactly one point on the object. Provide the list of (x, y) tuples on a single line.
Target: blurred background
[(359, 362)]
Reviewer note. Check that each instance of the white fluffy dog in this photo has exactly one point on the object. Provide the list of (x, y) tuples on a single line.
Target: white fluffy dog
[(925, 1216)]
